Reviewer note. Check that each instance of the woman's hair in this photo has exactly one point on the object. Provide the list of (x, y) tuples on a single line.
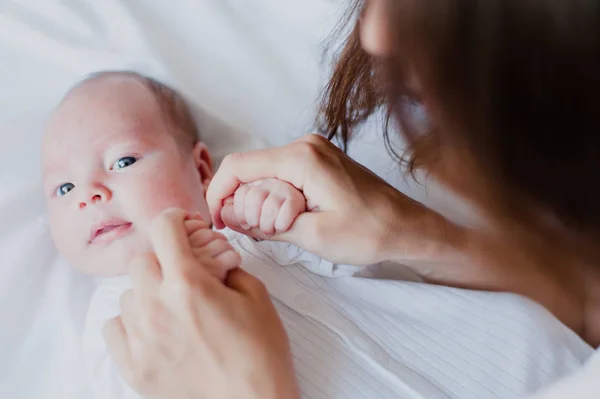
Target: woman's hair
[(512, 90)]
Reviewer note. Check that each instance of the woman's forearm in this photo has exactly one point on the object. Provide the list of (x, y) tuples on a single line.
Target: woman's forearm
[(411, 232), (443, 252)]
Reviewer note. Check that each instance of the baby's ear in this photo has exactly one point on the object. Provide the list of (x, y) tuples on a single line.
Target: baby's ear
[(203, 162)]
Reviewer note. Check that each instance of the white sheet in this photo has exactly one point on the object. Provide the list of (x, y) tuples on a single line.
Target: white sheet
[(255, 67)]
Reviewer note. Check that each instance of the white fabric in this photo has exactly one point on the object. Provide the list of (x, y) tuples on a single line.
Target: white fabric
[(581, 384), (253, 69), (362, 338)]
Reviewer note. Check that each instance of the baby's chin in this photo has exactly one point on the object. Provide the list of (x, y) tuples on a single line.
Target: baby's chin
[(111, 260)]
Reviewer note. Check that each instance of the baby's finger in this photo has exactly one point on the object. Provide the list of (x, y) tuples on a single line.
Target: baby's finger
[(288, 212), (230, 219), (173, 249), (222, 257), (253, 205), (236, 169), (268, 215), (191, 225), (239, 204), (229, 259), (232, 224), (214, 247), (201, 237)]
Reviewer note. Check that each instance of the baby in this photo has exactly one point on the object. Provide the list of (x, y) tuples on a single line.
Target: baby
[(120, 149)]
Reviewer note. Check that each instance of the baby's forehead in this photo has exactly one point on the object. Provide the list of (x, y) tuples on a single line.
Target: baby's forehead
[(110, 102), (100, 111), (121, 95)]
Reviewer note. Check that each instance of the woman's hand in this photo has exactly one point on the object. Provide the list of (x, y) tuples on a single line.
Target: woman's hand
[(353, 216), (183, 334)]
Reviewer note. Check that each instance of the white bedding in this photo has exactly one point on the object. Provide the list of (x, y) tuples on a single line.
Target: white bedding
[(255, 69), (355, 338)]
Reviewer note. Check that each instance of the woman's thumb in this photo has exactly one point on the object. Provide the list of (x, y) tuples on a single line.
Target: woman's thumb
[(309, 232), (171, 243)]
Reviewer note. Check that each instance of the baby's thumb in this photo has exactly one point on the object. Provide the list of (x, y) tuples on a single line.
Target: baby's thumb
[(228, 216)]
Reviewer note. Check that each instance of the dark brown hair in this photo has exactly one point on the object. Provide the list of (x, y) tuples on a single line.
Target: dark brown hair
[(512, 88)]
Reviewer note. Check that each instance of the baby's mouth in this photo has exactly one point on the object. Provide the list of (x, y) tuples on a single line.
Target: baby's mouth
[(108, 231)]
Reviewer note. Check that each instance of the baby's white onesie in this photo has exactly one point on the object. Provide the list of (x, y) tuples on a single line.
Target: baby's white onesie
[(356, 337)]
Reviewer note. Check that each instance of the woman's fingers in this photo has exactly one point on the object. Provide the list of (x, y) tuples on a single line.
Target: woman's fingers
[(127, 307), (197, 326), (146, 275), (172, 247), (246, 284), (115, 335)]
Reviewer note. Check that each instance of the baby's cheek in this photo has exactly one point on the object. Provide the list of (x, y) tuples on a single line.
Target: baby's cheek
[(164, 194), (70, 244), (62, 232)]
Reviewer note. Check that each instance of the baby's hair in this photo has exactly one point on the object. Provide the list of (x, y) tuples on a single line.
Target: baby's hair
[(174, 108)]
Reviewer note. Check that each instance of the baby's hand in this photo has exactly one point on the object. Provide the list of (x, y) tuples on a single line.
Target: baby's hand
[(208, 243), (266, 207)]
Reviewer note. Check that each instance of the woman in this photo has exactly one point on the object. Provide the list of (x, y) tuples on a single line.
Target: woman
[(511, 89)]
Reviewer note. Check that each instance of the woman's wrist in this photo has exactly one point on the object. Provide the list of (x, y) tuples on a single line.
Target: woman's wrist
[(413, 232)]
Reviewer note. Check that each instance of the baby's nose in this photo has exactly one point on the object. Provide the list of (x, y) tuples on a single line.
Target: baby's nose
[(96, 194)]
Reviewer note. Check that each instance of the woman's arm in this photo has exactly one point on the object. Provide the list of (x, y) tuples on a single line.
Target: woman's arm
[(353, 216)]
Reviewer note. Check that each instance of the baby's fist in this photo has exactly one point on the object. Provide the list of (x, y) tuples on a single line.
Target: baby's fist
[(267, 207)]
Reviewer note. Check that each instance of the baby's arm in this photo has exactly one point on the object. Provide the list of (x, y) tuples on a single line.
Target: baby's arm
[(267, 207)]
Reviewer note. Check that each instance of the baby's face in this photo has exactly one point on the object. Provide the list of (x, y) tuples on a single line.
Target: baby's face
[(110, 166)]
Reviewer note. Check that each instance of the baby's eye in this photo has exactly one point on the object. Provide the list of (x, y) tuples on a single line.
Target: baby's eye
[(124, 162), (64, 189)]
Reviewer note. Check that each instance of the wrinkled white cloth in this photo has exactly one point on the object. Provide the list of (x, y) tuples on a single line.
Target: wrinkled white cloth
[(582, 384), (355, 337)]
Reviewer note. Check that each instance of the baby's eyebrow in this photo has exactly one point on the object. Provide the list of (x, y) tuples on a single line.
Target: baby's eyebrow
[(50, 171), (51, 176)]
